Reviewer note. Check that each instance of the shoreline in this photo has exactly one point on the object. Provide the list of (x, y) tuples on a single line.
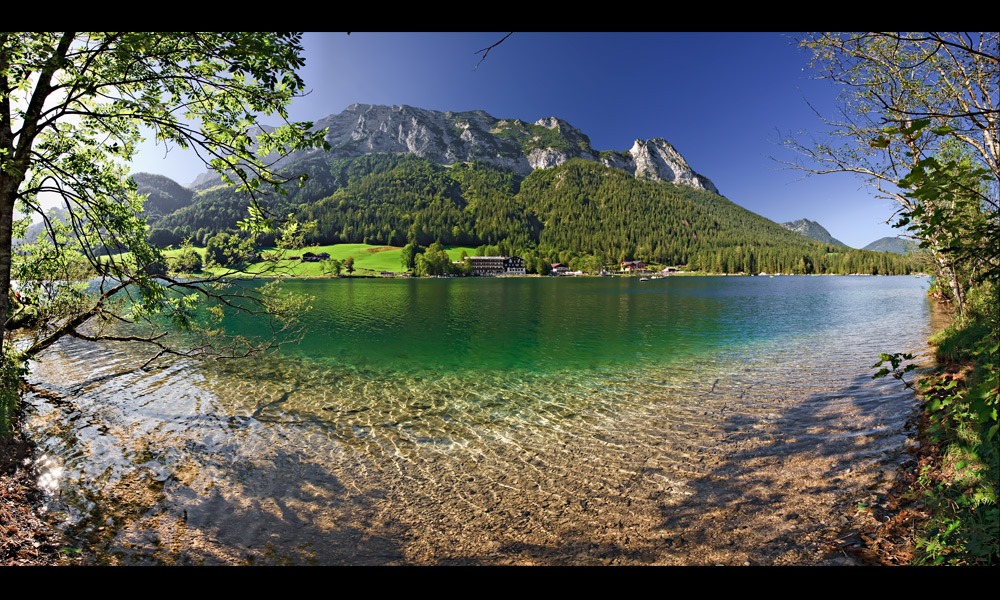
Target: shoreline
[(26, 537), (585, 276)]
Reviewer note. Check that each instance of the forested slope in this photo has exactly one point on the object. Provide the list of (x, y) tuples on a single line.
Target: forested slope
[(578, 208)]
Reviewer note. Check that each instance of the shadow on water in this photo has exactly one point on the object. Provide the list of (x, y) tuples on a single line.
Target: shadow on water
[(789, 487), (782, 484), (711, 461)]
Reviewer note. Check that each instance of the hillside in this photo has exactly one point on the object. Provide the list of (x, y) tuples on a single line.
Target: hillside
[(164, 195), (399, 175)]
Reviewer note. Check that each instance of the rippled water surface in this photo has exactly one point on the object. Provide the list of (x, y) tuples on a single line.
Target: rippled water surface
[(531, 420)]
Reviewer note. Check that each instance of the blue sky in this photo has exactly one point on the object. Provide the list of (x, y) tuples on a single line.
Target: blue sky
[(721, 99)]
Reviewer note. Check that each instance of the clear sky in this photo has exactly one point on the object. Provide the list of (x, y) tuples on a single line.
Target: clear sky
[(721, 99)]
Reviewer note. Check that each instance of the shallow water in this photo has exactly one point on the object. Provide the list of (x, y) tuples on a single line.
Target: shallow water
[(494, 421)]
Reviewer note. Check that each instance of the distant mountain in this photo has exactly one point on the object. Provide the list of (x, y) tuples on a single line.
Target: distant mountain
[(54, 215), (892, 244), (813, 230), (165, 195)]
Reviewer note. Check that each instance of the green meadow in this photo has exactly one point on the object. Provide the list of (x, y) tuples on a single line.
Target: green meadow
[(368, 260)]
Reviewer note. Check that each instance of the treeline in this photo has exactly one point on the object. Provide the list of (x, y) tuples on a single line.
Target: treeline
[(579, 209)]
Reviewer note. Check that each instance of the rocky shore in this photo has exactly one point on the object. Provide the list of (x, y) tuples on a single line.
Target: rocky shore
[(25, 538)]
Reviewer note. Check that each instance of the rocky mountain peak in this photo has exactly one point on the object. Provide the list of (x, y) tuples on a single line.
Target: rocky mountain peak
[(559, 125), (813, 230), (450, 137), (656, 159)]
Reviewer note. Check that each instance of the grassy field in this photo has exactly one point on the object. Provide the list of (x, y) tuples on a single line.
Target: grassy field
[(368, 259)]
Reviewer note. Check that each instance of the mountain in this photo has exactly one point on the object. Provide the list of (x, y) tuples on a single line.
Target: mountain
[(813, 230), (447, 138), (55, 214), (404, 175), (164, 195), (892, 244)]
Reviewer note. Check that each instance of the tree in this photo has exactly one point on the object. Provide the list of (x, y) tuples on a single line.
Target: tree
[(433, 261), (408, 256), (293, 234), (73, 107), (920, 125), (333, 267), (228, 250), (188, 261), (905, 98), (587, 263), (349, 264)]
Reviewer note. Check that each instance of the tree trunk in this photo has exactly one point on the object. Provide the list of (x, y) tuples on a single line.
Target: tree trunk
[(8, 191), (6, 232), (945, 271), (17, 158)]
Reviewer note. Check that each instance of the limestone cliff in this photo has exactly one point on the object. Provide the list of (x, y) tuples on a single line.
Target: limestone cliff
[(450, 137)]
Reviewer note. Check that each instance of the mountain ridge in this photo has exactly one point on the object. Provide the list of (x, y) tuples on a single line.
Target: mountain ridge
[(896, 245), (813, 230), (404, 176), (448, 138)]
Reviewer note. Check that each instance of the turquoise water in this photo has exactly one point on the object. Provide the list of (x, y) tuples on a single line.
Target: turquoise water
[(552, 325), (429, 421)]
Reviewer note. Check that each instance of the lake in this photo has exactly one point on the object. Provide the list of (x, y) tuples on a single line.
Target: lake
[(685, 420)]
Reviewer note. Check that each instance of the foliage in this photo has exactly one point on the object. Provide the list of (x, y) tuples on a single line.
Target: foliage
[(580, 207), (433, 261), (293, 234), (961, 490), (334, 267), (188, 261), (919, 125), (73, 107), (11, 371), (953, 214), (587, 263), (895, 360), (408, 257), (229, 250)]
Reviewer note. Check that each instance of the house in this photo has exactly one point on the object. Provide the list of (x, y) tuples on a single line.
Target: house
[(310, 257), (486, 265), (514, 265), (497, 265)]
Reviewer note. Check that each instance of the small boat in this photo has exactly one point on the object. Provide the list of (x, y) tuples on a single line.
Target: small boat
[(643, 279)]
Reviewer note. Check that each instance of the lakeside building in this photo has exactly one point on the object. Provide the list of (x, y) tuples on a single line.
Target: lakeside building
[(514, 265), (310, 257), (497, 265)]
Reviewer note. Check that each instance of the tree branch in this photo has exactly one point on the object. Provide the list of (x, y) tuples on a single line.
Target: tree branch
[(485, 51)]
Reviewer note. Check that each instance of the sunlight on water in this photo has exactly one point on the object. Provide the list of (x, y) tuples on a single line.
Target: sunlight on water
[(436, 421), (51, 473)]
